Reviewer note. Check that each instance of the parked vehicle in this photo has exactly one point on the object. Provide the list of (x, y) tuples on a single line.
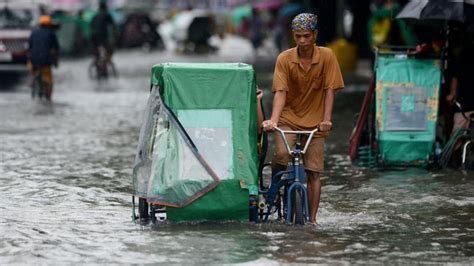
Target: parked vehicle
[(398, 121), (197, 153), (200, 156), (192, 31), (140, 31), (16, 22)]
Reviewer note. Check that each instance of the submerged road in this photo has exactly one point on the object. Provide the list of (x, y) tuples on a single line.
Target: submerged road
[(65, 187)]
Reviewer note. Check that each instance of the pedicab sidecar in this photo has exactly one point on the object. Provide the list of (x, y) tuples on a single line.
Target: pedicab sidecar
[(398, 120), (197, 154)]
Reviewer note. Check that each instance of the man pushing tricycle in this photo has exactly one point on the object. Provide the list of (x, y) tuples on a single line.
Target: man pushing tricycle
[(197, 154), (305, 81)]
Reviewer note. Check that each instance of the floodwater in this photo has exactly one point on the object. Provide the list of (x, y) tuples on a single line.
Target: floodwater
[(65, 188)]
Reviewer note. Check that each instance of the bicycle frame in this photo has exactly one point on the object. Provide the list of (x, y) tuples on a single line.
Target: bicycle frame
[(295, 175), (101, 63)]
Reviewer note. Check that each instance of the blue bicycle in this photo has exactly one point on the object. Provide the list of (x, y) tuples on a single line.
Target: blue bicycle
[(287, 194)]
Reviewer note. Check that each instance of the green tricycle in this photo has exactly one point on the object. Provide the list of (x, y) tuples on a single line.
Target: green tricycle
[(200, 156), (399, 116), (400, 123)]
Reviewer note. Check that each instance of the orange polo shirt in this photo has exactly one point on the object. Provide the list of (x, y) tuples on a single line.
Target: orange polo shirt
[(306, 89)]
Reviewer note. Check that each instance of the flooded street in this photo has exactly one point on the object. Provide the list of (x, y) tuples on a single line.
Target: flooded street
[(65, 186)]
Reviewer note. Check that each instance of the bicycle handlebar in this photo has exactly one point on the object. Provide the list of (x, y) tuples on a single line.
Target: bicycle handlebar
[(307, 132)]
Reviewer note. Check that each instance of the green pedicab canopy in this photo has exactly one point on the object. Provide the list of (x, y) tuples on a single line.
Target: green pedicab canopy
[(407, 95), (198, 145)]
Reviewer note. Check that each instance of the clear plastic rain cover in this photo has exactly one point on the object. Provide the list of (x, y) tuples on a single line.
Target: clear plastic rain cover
[(168, 168)]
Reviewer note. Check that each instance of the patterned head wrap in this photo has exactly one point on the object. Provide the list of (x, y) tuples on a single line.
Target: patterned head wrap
[(304, 21)]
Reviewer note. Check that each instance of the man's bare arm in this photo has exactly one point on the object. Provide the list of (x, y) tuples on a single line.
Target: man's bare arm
[(260, 116), (279, 100), (451, 97), (326, 124)]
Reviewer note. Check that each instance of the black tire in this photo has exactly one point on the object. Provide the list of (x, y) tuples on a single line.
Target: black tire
[(469, 160), (34, 88), (253, 209), (102, 70), (281, 206), (97, 72), (153, 218), (41, 90), (143, 211), (297, 203), (93, 71), (38, 87), (112, 69)]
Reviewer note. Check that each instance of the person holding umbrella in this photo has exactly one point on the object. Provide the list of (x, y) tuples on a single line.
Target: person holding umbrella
[(456, 19)]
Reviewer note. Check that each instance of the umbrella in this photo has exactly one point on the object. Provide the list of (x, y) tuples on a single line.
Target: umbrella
[(412, 10), (291, 9), (429, 11), (268, 5)]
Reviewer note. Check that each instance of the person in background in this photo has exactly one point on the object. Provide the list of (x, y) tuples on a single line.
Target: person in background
[(305, 81), (384, 30), (256, 30), (462, 86), (282, 32), (43, 51), (102, 30)]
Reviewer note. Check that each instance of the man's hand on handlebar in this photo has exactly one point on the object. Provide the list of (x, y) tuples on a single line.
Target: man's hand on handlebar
[(325, 126), (259, 93), (269, 125)]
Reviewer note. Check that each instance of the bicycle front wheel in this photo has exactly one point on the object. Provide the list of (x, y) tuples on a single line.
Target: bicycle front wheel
[(37, 88), (297, 207), (468, 156), (143, 209), (92, 71), (34, 88), (112, 69)]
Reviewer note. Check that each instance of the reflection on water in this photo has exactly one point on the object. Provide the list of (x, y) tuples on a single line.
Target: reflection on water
[(65, 182)]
